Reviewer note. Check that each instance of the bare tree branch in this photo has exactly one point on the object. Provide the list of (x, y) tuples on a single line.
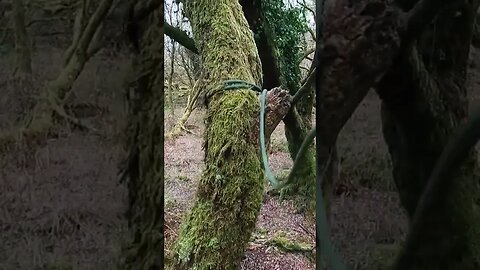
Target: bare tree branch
[(305, 6), (307, 53), (312, 33)]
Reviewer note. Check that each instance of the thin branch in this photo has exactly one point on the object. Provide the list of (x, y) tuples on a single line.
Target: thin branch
[(306, 85), (30, 23), (309, 9), (307, 53), (312, 33), (95, 20)]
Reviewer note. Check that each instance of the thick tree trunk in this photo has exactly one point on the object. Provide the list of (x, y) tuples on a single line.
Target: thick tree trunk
[(423, 100), (359, 42), (144, 166), (217, 229), (23, 54)]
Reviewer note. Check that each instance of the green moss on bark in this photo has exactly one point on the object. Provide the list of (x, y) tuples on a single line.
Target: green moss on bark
[(230, 193), (217, 229), (296, 132)]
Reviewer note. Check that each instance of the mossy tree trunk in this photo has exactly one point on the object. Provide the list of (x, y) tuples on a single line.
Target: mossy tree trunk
[(144, 167), (296, 127), (215, 232), (297, 124), (23, 55), (424, 99)]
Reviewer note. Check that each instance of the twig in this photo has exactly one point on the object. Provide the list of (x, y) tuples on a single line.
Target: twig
[(189, 131)]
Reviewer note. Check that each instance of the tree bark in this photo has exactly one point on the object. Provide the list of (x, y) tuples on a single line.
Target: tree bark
[(217, 229), (424, 99), (144, 165), (359, 42)]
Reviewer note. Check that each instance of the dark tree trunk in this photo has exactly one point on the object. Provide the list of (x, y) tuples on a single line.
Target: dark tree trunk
[(144, 166), (298, 120), (358, 42), (423, 100)]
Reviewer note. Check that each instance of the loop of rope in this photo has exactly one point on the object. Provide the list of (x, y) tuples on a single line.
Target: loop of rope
[(238, 84)]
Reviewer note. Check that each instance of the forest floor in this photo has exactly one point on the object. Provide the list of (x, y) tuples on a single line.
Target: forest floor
[(61, 206), (367, 224), (278, 222), (360, 228)]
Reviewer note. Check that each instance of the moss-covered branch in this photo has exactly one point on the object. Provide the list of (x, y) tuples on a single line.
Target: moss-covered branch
[(281, 240), (181, 37)]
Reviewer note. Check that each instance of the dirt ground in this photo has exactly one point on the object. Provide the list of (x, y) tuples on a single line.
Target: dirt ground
[(183, 165), (61, 206)]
